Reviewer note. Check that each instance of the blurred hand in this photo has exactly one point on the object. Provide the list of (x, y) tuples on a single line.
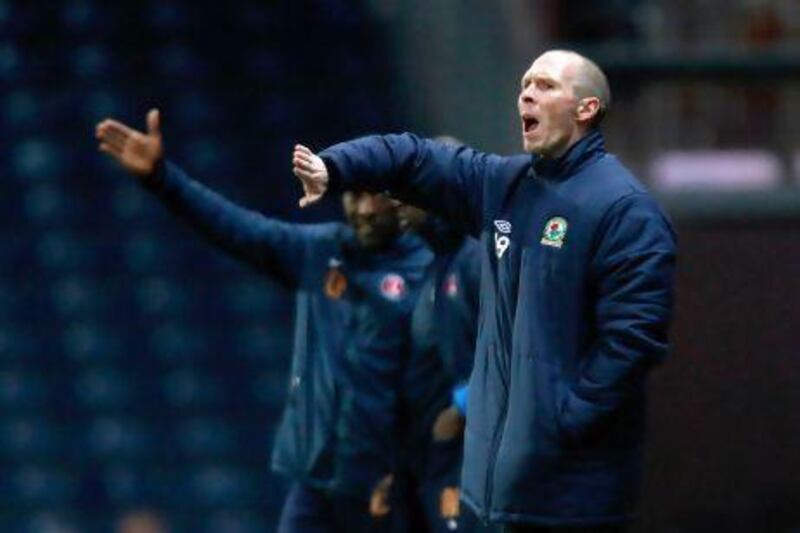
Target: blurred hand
[(311, 171), (379, 501), (448, 425), (137, 152), (449, 505)]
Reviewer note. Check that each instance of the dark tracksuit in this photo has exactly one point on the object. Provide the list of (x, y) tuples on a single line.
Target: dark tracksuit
[(576, 296), (337, 436), (443, 326)]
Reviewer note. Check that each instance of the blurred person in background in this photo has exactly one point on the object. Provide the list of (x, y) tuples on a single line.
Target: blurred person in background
[(576, 297), (141, 521), (444, 328), (355, 287)]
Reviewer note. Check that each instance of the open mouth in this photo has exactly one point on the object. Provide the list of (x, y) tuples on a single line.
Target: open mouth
[(529, 123)]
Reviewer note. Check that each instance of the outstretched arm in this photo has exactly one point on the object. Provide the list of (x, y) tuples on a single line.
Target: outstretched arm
[(442, 178), (270, 245)]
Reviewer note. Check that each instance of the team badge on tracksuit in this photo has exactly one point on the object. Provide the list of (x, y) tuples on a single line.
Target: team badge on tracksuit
[(335, 281), (393, 286), (555, 231), (501, 237)]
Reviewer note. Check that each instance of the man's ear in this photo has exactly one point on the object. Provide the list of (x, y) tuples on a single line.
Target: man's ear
[(587, 109)]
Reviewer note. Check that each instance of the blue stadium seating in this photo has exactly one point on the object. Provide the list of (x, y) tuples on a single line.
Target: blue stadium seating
[(31, 439), (139, 366)]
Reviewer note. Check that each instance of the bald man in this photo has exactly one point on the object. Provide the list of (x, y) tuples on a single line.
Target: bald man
[(576, 297)]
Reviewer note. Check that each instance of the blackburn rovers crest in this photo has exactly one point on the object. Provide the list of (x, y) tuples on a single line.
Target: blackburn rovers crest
[(555, 231)]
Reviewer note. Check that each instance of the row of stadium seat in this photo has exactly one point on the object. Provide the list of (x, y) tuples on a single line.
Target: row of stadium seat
[(184, 390)]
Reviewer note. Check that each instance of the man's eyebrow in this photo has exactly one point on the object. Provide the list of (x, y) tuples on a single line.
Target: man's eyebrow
[(545, 77)]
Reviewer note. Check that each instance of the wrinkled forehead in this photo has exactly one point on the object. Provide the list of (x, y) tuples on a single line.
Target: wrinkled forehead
[(558, 66)]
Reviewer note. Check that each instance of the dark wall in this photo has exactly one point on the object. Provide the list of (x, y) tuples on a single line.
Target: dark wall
[(724, 450)]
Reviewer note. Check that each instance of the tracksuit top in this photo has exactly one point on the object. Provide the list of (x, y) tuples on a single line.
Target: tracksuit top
[(577, 267), (351, 331), (443, 332)]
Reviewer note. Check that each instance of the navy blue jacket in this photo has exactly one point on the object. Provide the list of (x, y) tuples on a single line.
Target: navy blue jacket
[(576, 296), (443, 332), (457, 295), (351, 338)]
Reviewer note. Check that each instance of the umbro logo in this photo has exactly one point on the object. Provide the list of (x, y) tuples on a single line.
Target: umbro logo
[(503, 226), (501, 238)]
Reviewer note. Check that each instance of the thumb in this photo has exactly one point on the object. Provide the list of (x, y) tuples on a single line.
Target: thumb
[(154, 122)]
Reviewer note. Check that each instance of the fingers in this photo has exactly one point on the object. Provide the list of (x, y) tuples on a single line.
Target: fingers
[(154, 122), (114, 127), (112, 142), (113, 133), (309, 199), (303, 164), (109, 149), (310, 170), (302, 149), (303, 159)]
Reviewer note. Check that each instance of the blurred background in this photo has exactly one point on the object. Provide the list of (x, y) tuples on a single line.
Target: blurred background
[(142, 369)]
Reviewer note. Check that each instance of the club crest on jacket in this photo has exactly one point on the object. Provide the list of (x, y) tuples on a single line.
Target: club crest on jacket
[(393, 286), (555, 231), (335, 284)]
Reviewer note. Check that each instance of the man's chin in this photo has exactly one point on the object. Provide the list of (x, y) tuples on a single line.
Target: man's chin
[(529, 147)]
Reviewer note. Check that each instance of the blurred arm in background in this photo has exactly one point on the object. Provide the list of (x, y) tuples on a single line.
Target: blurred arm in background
[(272, 246)]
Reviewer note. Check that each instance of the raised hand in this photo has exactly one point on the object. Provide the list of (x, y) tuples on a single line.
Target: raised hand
[(137, 152), (312, 173)]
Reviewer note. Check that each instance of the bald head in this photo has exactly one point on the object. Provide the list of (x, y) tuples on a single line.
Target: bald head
[(563, 95), (587, 79)]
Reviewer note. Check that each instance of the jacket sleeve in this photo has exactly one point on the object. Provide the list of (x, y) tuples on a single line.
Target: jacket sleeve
[(275, 247), (632, 271), (442, 178)]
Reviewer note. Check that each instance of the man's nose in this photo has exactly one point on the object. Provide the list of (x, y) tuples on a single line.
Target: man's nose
[(526, 97)]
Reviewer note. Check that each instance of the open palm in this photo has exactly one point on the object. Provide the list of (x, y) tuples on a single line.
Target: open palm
[(138, 152)]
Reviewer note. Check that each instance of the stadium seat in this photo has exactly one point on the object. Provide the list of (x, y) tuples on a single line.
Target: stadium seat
[(35, 159), (22, 391), (84, 17), (232, 522), (159, 296), (189, 391), (177, 344), (92, 342), (206, 438), (118, 438), (60, 252), (93, 61), (22, 110), (19, 342), (30, 439), (168, 17), (106, 391), (75, 297), (214, 487), (31, 485), (179, 63)]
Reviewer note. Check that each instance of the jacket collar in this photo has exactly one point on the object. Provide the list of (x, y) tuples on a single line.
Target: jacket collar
[(589, 148)]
